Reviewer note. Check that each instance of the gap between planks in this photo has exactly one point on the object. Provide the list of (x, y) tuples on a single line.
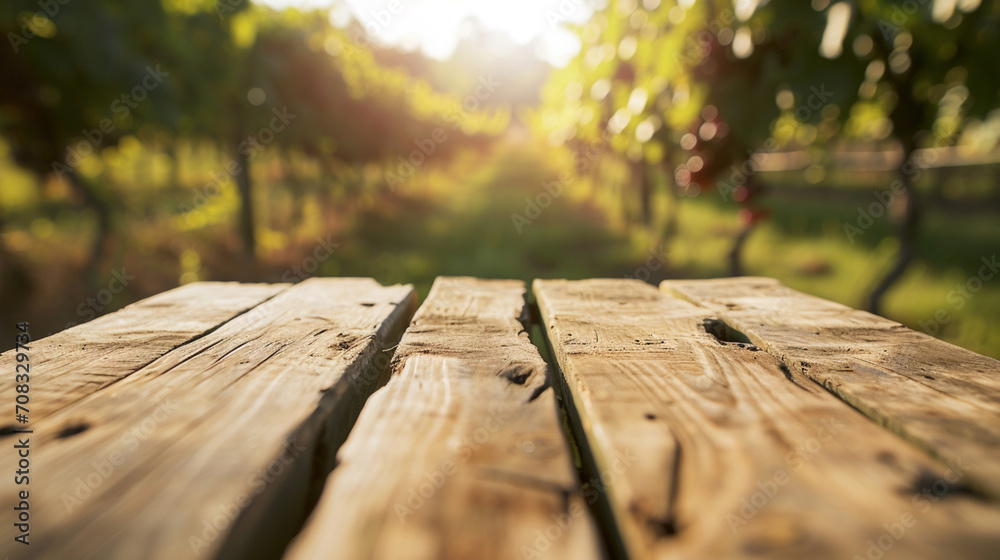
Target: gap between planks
[(589, 474), (460, 455)]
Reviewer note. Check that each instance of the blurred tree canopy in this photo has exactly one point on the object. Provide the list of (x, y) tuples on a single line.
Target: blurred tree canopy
[(702, 89), (682, 97), (230, 73)]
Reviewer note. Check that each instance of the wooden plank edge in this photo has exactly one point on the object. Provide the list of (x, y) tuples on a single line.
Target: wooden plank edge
[(55, 338), (412, 355), (620, 537), (275, 517)]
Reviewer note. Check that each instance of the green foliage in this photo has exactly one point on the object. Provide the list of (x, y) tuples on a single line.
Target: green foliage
[(799, 72), (80, 76), (84, 77), (665, 96)]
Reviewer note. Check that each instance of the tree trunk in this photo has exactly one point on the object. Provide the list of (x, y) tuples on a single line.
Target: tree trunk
[(246, 204), (640, 176), (103, 210), (907, 230), (333, 174), (175, 165), (906, 119), (296, 186), (672, 222), (15, 281), (735, 256)]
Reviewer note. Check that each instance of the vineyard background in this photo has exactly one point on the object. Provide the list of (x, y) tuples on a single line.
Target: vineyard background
[(849, 149)]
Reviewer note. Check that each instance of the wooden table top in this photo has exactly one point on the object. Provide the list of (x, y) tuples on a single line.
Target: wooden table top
[(333, 419)]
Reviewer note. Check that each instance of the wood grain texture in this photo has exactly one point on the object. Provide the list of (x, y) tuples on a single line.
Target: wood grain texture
[(460, 455), (943, 398), (217, 448), (732, 456), (74, 363)]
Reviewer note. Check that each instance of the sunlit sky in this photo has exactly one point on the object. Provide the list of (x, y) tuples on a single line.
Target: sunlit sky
[(434, 26)]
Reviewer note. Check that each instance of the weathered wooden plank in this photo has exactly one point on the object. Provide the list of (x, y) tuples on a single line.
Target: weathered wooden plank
[(215, 450), (460, 455), (734, 457), (74, 363), (943, 398)]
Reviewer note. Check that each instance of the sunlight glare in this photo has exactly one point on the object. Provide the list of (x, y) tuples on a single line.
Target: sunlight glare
[(436, 26)]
